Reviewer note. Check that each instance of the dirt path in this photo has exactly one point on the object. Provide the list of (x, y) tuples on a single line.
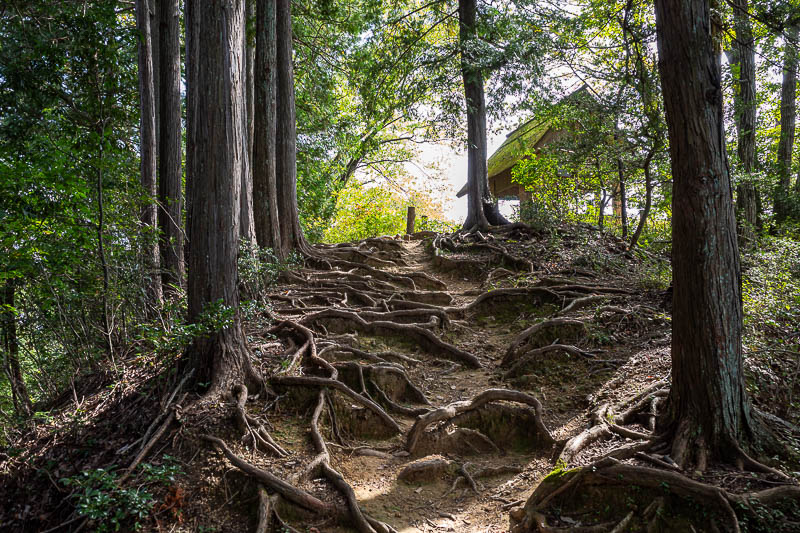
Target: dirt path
[(622, 353)]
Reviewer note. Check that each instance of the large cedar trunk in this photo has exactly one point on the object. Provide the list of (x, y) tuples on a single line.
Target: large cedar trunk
[(788, 116), (192, 58), (10, 348), (743, 56), (481, 210), (247, 227), (147, 134), (708, 408), (219, 151), (286, 136), (265, 193), (170, 190)]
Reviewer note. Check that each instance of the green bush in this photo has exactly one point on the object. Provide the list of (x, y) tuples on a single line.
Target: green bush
[(771, 286), (100, 497)]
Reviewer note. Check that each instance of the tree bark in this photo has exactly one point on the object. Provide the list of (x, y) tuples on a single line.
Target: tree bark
[(788, 117), (481, 210), (648, 197), (250, 62), (155, 54), (247, 227), (623, 200), (708, 408), (219, 154), (192, 58), (147, 129), (170, 190), (744, 103), (265, 191), (11, 366), (286, 136)]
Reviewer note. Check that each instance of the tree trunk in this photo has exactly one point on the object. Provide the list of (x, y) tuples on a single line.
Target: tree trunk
[(147, 128), (192, 58), (708, 408), (265, 189), (623, 200), (481, 210), (601, 216), (250, 58), (10, 346), (286, 136), (247, 227), (219, 153), (744, 103), (648, 198), (155, 54), (788, 115), (170, 191)]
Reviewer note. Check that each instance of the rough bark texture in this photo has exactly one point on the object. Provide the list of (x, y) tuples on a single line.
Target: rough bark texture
[(708, 407), (250, 61), (155, 53), (10, 347), (788, 116), (743, 56), (219, 154), (286, 139), (481, 211), (265, 192), (147, 146), (192, 58), (247, 227), (170, 189)]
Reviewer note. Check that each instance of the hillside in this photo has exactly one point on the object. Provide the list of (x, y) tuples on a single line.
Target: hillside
[(440, 379)]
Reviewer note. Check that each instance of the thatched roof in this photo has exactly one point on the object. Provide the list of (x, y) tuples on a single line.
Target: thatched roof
[(523, 139), (517, 143)]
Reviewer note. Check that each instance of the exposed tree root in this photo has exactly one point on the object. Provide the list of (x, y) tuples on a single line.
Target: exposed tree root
[(314, 381), (609, 473), (253, 432), (527, 297), (545, 333), (444, 414), (532, 355), (424, 337)]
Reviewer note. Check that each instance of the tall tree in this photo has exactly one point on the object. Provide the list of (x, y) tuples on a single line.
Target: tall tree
[(247, 228), (265, 192), (286, 136), (481, 210), (148, 141), (743, 65), (788, 116), (218, 148), (170, 189), (10, 348), (708, 409)]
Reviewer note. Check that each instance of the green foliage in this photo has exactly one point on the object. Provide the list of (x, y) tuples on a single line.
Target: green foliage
[(170, 335), (259, 268), (363, 212), (425, 223), (654, 274), (771, 286), (100, 497)]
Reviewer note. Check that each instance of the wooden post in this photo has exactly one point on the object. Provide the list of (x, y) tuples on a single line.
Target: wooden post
[(412, 214)]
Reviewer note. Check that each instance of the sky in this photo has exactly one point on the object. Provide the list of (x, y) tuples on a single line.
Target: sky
[(454, 167)]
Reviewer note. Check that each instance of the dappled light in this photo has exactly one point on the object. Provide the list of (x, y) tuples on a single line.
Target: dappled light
[(235, 294)]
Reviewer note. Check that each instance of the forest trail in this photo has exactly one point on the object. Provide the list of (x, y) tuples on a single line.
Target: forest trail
[(616, 341), (423, 359)]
